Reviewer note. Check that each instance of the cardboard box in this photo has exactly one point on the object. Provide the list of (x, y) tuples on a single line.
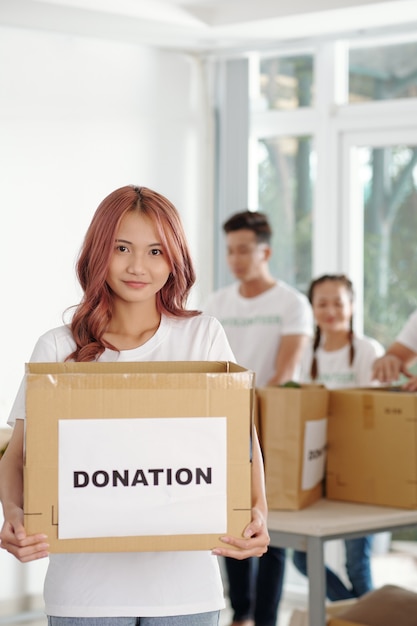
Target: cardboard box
[(292, 424), (82, 467), (372, 447), (300, 617), (388, 605)]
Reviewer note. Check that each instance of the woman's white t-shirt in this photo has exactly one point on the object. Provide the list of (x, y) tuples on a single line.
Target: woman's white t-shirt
[(333, 366), (136, 583)]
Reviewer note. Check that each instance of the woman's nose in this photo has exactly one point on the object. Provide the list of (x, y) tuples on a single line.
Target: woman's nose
[(136, 264)]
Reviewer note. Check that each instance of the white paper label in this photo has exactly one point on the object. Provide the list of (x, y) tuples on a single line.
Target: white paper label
[(315, 441), (148, 476)]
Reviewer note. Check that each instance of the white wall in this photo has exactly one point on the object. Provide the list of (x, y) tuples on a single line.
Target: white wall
[(78, 118)]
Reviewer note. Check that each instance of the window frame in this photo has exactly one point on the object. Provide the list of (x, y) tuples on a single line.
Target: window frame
[(336, 127)]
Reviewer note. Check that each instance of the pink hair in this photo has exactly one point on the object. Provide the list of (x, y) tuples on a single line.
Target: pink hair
[(93, 314)]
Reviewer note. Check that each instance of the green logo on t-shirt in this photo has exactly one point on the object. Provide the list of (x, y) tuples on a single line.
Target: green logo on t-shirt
[(261, 320), (342, 379)]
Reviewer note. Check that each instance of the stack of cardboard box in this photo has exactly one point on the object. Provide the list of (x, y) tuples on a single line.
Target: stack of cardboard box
[(371, 452)]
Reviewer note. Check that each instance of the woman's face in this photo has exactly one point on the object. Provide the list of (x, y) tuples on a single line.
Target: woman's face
[(332, 306), (138, 268)]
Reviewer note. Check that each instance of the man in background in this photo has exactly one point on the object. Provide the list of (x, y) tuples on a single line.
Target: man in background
[(268, 324)]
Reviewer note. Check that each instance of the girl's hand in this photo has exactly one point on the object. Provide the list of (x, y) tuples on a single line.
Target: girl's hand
[(255, 540), (25, 548)]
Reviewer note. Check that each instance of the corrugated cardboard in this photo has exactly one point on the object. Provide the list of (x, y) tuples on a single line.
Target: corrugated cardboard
[(388, 605), (372, 447), (300, 617), (174, 389), (283, 415)]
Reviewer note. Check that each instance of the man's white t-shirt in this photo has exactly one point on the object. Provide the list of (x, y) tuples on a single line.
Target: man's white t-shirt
[(408, 334), (138, 583), (334, 370), (254, 326)]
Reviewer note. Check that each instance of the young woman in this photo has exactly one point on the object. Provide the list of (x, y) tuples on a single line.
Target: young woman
[(338, 358), (136, 272)]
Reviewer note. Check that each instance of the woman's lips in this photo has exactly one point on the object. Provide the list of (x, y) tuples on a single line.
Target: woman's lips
[(134, 284)]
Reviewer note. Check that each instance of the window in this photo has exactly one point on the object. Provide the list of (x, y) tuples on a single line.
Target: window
[(285, 192), (387, 176), (339, 199), (286, 82), (383, 72)]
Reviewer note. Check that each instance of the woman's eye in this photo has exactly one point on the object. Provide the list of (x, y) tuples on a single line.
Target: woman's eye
[(156, 251), (122, 248)]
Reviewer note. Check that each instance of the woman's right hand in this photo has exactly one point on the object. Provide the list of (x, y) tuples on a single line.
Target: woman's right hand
[(13, 538)]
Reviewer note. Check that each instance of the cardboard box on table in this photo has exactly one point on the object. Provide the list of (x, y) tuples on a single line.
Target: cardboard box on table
[(372, 447), (292, 424), (74, 404)]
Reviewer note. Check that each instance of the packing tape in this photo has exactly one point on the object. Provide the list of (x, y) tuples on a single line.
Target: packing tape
[(368, 414)]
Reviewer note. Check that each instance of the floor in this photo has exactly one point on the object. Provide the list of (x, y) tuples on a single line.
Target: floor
[(397, 567)]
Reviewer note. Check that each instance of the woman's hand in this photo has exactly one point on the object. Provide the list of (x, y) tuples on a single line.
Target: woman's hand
[(13, 538), (255, 540)]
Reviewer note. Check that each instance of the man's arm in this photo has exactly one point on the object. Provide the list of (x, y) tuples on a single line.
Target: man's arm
[(395, 361), (288, 357)]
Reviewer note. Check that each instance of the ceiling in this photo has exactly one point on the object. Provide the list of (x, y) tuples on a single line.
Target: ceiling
[(207, 25)]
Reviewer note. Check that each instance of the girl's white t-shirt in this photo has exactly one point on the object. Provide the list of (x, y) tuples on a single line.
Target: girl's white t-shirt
[(334, 370), (408, 334), (147, 584)]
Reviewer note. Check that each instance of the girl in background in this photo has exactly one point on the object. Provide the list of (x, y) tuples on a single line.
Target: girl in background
[(337, 358), (136, 272)]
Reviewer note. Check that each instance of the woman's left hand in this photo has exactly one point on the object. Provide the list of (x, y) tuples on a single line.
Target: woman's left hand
[(255, 540)]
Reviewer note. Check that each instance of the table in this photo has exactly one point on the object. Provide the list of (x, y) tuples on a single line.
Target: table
[(324, 520)]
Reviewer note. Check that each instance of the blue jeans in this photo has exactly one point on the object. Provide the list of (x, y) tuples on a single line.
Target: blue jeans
[(255, 586), (198, 619), (358, 568)]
